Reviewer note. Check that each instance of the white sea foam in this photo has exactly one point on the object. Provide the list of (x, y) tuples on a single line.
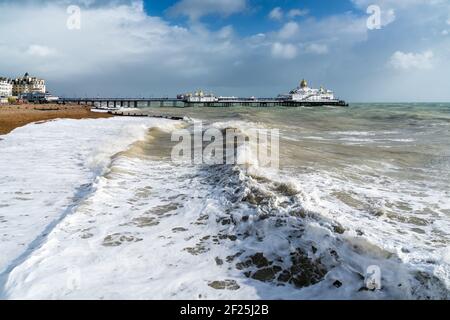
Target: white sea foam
[(156, 230), (47, 168), (354, 133)]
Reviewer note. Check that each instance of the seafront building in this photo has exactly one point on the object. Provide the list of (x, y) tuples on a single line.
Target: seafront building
[(27, 88), (198, 96), (28, 84), (304, 93), (6, 87)]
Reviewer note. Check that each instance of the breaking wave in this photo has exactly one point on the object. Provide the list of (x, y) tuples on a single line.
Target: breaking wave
[(283, 237)]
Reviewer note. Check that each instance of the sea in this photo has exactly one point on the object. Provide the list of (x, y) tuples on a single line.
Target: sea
[(358, 208)]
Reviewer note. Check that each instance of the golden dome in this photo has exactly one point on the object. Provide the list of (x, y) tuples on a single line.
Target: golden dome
[(303, 84)]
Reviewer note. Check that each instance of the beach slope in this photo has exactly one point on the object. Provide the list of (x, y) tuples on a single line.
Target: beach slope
[(14, 116)]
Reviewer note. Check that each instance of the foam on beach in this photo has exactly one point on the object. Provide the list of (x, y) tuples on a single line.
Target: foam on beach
[(48, 169)]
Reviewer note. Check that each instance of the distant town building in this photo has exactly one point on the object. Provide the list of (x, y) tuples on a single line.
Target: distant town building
[(28, 84), (6, 87)]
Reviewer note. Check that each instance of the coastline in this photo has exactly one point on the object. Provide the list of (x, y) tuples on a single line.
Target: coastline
[(15, 116)]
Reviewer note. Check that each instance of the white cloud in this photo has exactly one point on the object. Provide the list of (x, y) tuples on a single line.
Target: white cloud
[(284, 51), (387, 17), (297, 13), (407, 61), (289, 30), (317, 48), (335, 30), (195, 9), (40, 51), (276, 14), (226, 32)]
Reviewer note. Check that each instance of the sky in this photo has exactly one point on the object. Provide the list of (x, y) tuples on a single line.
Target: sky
[(135, 48)]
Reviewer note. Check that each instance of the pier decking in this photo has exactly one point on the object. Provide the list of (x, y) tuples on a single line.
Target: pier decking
[(178, 103)]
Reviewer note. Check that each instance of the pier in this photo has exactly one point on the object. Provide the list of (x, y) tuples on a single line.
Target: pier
[(180, 103), (124, 102), (302, 96)]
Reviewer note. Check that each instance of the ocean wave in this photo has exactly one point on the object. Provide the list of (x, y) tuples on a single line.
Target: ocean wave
[(276, 196), (275, 221)]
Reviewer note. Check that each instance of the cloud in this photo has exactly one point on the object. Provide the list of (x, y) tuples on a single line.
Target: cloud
[(388, 17), (317, 48), (284, 51), (289, 30), (408, 61), (297, 13), (195, 9), (226, 32), (276, 14), (334, 30), (40, 51)]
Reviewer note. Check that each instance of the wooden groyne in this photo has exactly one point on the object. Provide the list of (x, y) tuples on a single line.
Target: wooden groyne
[(140, 114)]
